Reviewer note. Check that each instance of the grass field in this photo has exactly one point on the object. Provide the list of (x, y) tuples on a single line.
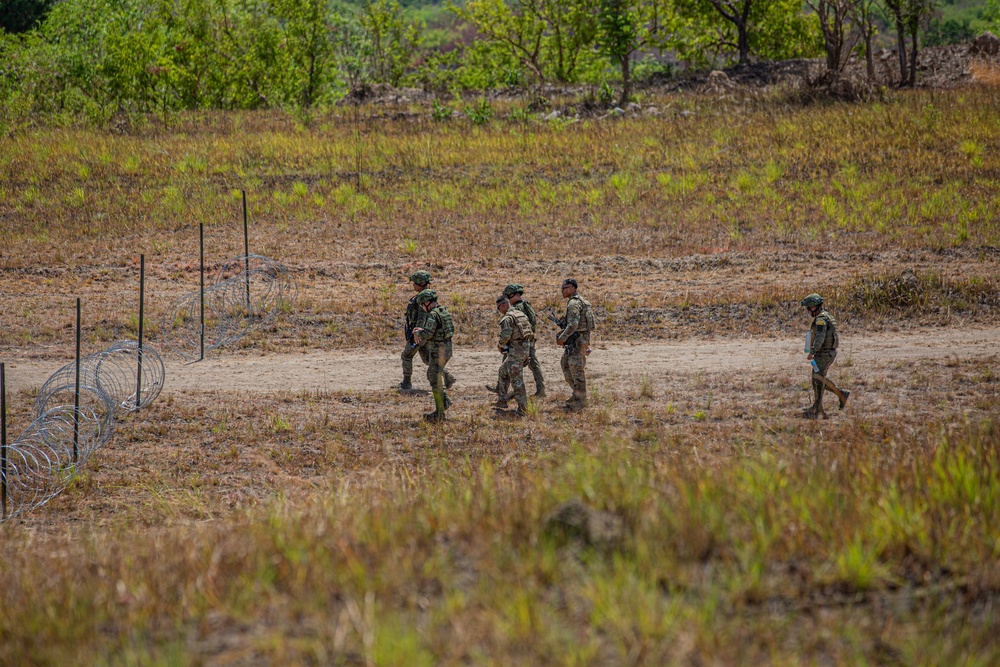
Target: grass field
[(690, 518)]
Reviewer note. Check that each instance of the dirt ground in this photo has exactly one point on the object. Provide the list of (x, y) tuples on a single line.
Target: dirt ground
[(618, 364)]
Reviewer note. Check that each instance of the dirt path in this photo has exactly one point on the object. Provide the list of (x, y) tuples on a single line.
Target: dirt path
[(377, 370)]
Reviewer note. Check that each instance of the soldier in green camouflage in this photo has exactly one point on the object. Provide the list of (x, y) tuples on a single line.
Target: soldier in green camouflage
[(575, 339), (516, 336), (435, 336), (415, 318), (515, 293), (822, 350)]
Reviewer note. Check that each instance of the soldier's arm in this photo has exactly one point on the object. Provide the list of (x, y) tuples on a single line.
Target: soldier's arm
[(506, 330), (572, 320), (821, 332), (427, 329)]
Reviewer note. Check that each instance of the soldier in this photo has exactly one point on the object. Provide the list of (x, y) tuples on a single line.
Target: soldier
[(435, 336), (515, 340), (575, 339), (415, 318), (823, 342), (515, 293)]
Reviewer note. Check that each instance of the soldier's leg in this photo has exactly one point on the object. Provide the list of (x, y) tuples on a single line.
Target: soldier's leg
[(516, 371), (407, 356), (536, 372), (578, 365), (435, 373), (564, 364), (823, 362), (503, 383)]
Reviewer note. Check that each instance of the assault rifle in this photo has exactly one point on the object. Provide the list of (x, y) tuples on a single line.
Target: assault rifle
[(560, 322)]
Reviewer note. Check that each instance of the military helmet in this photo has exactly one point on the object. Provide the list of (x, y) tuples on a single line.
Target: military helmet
[(812, 301), (512, 289), (426, 296), (421, 278)]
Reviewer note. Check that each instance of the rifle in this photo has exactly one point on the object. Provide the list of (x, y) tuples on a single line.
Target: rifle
[(560, 322)]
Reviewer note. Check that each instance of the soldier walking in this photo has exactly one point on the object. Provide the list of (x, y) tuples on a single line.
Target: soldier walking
[(516, 337), (575, 339), (435, 336), (822, 349), (415, 318), (515, 293)]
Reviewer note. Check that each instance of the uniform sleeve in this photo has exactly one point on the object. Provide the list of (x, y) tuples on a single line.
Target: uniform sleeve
[(430, 325), (529, 312), (572, 319), (506, 329), (821, 328)]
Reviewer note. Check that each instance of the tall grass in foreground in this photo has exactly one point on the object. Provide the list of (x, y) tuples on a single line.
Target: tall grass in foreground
[(841, 552)]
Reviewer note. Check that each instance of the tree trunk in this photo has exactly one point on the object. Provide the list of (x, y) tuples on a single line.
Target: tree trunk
[(901, 46), (913, 57), (869, 56), (744, 42), (626, 65)]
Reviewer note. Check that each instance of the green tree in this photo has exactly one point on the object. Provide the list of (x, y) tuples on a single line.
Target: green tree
[(18, 16), (907, 15), (392, 43), (628, 26), (550, 38)]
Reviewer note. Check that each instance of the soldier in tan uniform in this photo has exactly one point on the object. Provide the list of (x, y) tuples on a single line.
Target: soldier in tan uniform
[(515, 293), (575, 339), (823, 343), (516, 337)]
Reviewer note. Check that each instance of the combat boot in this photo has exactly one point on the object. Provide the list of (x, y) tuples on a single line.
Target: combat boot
[(540, 391), (434, 417), (449, 380), (844, 395), (406, 385)]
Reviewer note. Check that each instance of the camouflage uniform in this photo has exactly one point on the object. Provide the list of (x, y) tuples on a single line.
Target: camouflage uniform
[(525, 307), (823, 346), (536, 368), (517, 336), (436, 337), (579, 320), (415, 317)]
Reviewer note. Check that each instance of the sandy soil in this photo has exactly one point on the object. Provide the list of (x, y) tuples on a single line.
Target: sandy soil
[(380, 369)]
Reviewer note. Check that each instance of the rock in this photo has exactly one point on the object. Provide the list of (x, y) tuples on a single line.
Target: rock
[(552, 116), (651, 111), (633, 106), (687, 113), (617, 111), (987, 44), (574, 520)]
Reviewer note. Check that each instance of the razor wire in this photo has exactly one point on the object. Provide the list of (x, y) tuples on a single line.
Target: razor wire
[(46, 456), (249, 292)]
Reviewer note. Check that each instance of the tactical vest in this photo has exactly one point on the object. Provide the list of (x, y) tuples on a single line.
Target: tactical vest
[(526, 308), (587, 322), (445, 328), (521, 324)]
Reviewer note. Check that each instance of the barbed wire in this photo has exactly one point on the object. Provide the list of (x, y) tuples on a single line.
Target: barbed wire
[(46, 456), (248, 292)]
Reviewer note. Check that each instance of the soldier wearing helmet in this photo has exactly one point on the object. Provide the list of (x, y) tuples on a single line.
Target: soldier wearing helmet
[(415, 318), (435, 337), (516, 336), (822, 350)]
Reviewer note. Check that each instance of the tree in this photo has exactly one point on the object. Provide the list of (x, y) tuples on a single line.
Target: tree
[(906, 15), (835, 19), (863, 16), (548, 37), (627, 26), (392, 43), (22, 15)]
